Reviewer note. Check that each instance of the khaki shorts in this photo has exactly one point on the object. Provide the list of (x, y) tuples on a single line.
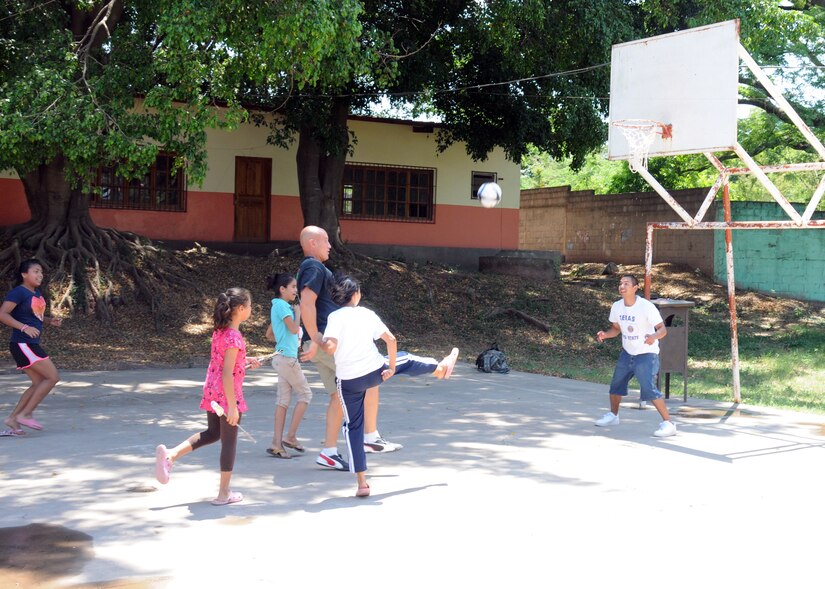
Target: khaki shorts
[(326, 368), (291, 378)]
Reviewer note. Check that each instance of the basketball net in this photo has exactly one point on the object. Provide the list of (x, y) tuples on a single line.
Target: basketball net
[(639, 134)]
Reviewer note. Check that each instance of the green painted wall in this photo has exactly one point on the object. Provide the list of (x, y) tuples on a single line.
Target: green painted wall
[(785, 262)]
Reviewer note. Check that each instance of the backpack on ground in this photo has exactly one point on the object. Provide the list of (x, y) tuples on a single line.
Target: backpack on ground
[(492, 360)]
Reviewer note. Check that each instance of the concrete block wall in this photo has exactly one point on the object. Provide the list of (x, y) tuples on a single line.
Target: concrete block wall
[(787, 262), (586, 227), (543, 217)]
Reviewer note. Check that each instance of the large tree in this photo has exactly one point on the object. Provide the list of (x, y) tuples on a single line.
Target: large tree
[(501, 73), (86, 83)]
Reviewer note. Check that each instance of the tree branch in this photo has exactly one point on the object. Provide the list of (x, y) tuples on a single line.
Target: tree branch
[(520, 315), (814, 57), (411, 53), (768, 106), (97, 31)]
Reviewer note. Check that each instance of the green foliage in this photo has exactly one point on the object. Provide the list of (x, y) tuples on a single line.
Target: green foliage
[(538, 170), (606, 177), (781, 146), (779, 369), (535, 43), (73, 94), (683, 172), (789, 42), (441, 57)]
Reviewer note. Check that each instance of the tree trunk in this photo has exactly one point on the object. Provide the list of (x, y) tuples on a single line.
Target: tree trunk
[(81, 257), (53, 203), (321, 173)]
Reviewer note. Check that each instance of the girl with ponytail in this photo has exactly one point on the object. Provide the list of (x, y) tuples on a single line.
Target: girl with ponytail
[(223, 398)]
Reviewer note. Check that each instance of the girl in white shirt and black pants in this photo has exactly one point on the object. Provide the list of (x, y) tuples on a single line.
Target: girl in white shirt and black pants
[(350, 336)]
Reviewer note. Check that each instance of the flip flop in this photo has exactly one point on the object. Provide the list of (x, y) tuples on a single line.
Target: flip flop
[(451, 359), (363, 491), (296, 447), (12, 433), (278, 453), (233, 498), (29, 423)]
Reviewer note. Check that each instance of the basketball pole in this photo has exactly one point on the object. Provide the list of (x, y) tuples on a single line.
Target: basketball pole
[(648, 260), (734, 331), (710, 58)]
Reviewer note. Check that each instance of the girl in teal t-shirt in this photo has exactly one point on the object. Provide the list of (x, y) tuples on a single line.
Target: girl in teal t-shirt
[(286, 320)]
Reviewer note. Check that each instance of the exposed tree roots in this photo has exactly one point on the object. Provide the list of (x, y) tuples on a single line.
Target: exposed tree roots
[(93, 269)]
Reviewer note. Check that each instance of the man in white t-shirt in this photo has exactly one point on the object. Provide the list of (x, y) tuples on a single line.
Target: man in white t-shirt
[(640, 324)]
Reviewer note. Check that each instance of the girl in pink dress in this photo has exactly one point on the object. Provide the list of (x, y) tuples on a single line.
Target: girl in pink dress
[(224, 380)]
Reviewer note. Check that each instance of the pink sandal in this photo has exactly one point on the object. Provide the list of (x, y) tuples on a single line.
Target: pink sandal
[(363, 491), (162, 464), (30, 423), (233, 498)]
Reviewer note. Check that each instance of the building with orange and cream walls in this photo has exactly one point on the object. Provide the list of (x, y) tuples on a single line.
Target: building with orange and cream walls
[(399, 192)]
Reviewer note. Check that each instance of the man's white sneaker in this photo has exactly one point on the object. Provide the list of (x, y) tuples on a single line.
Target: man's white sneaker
[(335, 461), (381, 445), (608, 418), (666, 428)]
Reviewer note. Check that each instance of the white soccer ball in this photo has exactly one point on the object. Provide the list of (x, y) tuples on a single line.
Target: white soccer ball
[(489, 194)]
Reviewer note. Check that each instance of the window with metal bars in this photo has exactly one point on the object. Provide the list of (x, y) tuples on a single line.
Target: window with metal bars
[(388, 193), (162, 188), (479, 178)]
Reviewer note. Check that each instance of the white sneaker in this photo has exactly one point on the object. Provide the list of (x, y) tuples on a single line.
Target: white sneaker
[(666, 428), (336, 461), (381, 445), (608, 418)]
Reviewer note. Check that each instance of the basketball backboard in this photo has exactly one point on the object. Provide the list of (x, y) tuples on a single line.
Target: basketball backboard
[(687, 79)]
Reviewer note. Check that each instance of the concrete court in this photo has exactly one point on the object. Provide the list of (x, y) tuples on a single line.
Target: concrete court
[(503, 482)]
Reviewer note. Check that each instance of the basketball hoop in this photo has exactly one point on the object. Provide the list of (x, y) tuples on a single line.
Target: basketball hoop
[(639, 134)]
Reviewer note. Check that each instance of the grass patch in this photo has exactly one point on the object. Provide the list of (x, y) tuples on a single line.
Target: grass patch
[(784, 369)]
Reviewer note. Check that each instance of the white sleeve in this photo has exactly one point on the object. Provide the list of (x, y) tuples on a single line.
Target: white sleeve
[(333, 329), (654, 316), (614, 313), (378, 327)]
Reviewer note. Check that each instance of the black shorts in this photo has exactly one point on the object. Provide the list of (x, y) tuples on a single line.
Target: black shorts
[(26, 354)]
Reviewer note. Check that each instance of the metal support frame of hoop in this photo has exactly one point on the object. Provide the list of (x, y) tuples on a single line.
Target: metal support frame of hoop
[(638, 163)]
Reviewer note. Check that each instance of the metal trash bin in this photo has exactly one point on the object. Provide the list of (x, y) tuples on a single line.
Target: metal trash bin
[(673, 348)]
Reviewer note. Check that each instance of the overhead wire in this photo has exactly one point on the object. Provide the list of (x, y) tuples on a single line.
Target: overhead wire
[(35, 7)]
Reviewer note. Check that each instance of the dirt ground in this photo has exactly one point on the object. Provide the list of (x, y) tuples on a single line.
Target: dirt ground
[(430, 308)]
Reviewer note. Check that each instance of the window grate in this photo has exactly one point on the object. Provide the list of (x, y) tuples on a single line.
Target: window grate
[(388, 193), (162, 188)]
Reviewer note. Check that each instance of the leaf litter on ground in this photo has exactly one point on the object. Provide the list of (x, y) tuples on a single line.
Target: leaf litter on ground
[(429, 307)]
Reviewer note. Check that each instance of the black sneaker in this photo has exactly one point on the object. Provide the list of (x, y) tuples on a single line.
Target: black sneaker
[(335, 461)]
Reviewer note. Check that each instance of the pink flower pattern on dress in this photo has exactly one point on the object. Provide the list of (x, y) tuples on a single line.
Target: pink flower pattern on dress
[(222, 340)]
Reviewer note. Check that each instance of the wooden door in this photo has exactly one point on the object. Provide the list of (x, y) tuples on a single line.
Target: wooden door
[(252, 184)]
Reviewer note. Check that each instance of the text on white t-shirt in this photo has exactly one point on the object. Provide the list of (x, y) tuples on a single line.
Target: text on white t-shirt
[(636, 322)]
